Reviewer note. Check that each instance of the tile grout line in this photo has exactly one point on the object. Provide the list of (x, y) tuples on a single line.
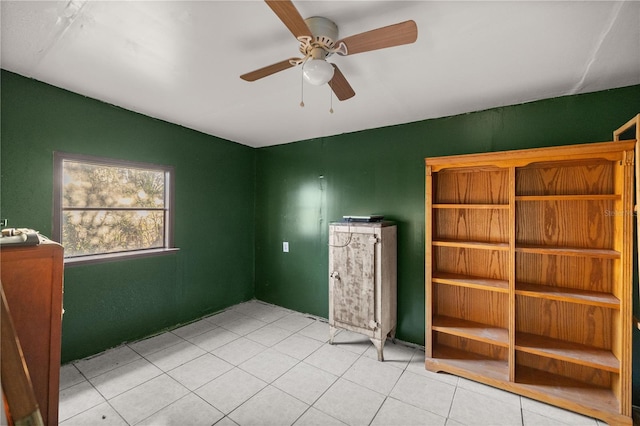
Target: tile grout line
[(455, 390), (407, 369), (299, 361), (144, 356), (101, 395)]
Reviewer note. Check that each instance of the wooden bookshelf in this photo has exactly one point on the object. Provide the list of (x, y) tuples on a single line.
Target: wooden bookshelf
[(529, 273)]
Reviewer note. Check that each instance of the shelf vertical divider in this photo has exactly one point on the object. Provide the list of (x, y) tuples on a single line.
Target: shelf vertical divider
[(512, 274), (428, 263), (626, 307), (625, 185)]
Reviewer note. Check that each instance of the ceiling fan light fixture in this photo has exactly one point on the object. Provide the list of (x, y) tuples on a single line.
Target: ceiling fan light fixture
[(317, 71)]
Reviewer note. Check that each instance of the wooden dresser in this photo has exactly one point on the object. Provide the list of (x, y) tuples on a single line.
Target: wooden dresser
[(32, 281)]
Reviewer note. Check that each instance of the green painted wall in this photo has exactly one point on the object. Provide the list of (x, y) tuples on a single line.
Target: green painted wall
[(114, 302), (304, 186), (289, 192)]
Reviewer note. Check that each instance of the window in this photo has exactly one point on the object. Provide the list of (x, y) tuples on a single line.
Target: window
[(107, 208)]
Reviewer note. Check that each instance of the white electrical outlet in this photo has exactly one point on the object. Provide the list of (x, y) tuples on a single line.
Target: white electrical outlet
[(285, 247)]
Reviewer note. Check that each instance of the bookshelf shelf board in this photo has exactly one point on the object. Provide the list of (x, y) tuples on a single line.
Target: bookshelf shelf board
[(461, 280), (571, 295), (471, 244), (566, 351), (472, 330)]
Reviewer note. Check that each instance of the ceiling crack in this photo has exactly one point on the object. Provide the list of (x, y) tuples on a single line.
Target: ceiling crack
[(613, 17), (66, 18)]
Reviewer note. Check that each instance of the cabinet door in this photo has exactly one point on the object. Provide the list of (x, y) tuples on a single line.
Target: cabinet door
[(32, 281), (353, 279)]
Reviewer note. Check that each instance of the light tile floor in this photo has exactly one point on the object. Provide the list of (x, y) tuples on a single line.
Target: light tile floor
[(259, 364)]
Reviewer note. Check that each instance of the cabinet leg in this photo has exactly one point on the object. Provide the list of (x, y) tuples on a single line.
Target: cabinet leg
[(392, 334), (332, 334), (379, 344)]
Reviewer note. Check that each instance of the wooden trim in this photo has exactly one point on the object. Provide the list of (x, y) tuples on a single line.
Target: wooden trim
[(512, 275), (626, 305), (635, 121), (428, 262), (524, 157)]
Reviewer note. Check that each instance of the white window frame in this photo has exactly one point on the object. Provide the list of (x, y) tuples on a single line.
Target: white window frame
[(169, 171)]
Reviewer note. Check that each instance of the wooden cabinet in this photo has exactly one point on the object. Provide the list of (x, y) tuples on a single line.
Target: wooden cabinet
[(362, 280), (529, 273), (32, 282)]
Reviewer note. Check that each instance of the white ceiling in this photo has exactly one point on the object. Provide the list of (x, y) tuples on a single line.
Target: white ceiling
[(180, 61)]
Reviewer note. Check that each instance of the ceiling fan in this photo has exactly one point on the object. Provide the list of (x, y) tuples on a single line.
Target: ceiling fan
[(318, 39)]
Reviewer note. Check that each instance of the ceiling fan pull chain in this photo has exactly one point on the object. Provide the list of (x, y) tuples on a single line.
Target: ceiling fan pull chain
[(331, 97), (302, 85)]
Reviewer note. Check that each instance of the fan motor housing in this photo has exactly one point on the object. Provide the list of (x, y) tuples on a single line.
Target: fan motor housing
[(322, 28), (325, 35)]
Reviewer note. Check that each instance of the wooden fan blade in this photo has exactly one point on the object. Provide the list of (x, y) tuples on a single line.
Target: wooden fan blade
[(340, 85), (290, 17), (268, 70), (392, 35)]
